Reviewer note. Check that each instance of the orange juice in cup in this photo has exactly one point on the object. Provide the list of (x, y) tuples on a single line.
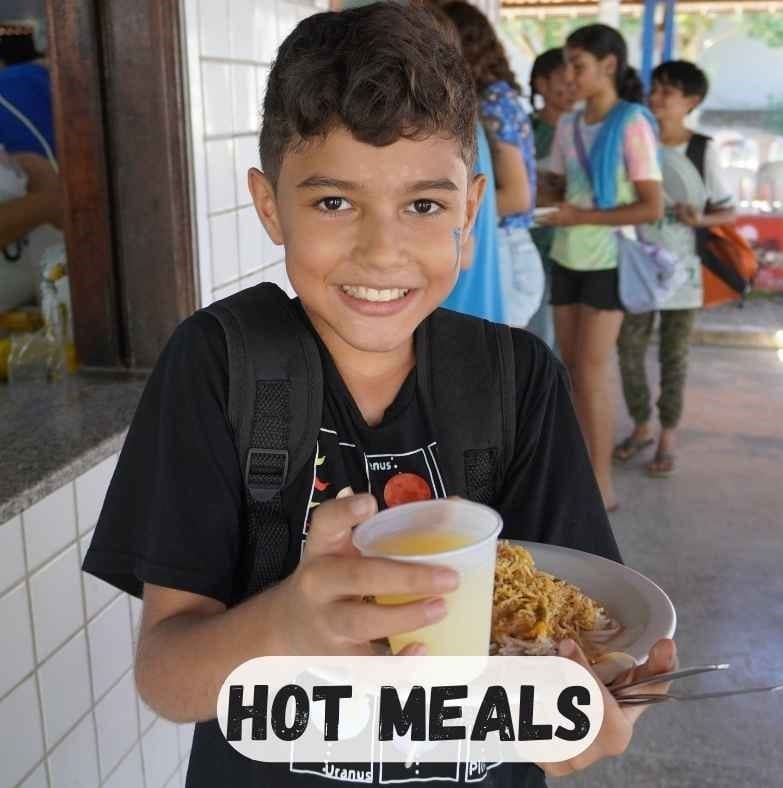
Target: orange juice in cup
[(454, 533)]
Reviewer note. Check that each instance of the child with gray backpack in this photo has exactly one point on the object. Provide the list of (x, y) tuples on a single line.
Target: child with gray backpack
[(693, 201)]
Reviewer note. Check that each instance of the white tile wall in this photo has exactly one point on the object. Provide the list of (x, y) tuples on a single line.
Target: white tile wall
[(21, 744), (136, 608), (214, 28), (265, 33), (65, 688), (245, 157), (37, 779), (288, 15), (117, 723), (74, 762), (225, 251), (220, 175), (17, 637), (146, 715), (52, 733), (56, 581), (185, 733), (242, 29), (218, 114), (160, 748), (111, 649), (11, 553), (229, 61), (245, 98), (129, 773), (97, 593), (90, 492), (251, 241), (49, 525)]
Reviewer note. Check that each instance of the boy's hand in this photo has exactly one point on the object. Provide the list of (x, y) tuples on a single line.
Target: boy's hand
[(617, 728), (687, 214), (321, 608)]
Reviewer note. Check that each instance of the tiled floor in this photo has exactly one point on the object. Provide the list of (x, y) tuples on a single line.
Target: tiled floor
[(712, 537)]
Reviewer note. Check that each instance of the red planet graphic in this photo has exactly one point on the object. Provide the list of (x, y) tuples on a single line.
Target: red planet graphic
[(406, 488)]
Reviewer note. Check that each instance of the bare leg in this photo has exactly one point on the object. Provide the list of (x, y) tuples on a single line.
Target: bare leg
[(567, 335), (598, 331)]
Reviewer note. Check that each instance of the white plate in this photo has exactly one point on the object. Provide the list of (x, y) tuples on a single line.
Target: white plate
[(642, 607)]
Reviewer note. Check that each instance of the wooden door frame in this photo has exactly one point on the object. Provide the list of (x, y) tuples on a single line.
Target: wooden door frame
[(120, 104)]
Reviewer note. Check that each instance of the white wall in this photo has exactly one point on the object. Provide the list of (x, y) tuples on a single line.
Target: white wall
[(230, 45), (69, 711)]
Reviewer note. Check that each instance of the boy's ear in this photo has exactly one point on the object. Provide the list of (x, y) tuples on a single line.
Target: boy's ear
[(476, 189), (265, 200)]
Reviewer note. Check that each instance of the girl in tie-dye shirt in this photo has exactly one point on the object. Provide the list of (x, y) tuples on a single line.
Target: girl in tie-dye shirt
[(585, 297)]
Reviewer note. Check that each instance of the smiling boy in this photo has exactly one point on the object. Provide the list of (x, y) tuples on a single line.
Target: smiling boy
[(367, 147)]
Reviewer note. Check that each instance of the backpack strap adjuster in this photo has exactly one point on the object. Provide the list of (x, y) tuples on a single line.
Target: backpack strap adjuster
[(265, 473)]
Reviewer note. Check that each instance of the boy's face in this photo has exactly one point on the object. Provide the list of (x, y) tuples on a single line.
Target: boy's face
[(669, 103), (373, 235)]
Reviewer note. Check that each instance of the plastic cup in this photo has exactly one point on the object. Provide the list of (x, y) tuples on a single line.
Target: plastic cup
[(455, 533)]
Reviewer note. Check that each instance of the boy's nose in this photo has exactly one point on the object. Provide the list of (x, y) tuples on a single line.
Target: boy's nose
[(379, 244)]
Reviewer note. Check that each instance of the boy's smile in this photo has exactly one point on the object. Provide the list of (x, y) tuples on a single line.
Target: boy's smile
[(373, 235)]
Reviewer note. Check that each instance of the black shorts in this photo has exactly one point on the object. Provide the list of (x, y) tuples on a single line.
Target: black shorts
[(598, 289)]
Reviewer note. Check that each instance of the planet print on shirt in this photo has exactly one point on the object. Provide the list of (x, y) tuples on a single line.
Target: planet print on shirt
[(406, 488), (395, 479)]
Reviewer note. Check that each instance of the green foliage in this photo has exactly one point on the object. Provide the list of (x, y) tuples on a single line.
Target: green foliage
[(764, 26)]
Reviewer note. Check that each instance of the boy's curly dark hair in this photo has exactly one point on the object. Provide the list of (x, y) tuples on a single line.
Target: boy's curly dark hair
[(383, 71), (481, 46)]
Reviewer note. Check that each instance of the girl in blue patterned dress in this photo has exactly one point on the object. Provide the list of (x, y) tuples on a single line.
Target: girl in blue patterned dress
[(513, 156)]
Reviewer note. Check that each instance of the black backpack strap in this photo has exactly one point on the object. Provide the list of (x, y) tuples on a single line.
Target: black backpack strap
[(275, 398), (467, 379), (696, 151)]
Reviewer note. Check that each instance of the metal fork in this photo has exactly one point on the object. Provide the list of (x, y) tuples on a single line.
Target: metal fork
[(675, 674), (645, 699)]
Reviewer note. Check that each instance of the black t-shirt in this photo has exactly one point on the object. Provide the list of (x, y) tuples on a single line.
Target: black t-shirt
[(173, 514)]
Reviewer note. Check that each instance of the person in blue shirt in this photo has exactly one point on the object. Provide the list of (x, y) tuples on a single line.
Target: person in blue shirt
[(513, 157), (26, 118), (478, 290), (31, 201)]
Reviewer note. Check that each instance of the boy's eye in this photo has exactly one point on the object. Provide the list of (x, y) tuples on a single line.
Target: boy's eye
[(426, 207), (332, 204)]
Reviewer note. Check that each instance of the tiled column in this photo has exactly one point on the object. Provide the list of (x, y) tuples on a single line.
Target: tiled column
[(69, 711)]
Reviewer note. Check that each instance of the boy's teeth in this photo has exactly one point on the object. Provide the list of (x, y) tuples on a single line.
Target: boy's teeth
[(370, 294)]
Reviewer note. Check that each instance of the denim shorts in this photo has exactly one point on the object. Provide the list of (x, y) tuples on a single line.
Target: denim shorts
[(522, 275)]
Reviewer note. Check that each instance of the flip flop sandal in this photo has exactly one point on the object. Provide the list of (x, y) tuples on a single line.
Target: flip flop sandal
[(662, 465), (630, 447)]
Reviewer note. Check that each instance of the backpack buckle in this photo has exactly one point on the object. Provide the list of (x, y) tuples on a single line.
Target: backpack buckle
[(265, 473)]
